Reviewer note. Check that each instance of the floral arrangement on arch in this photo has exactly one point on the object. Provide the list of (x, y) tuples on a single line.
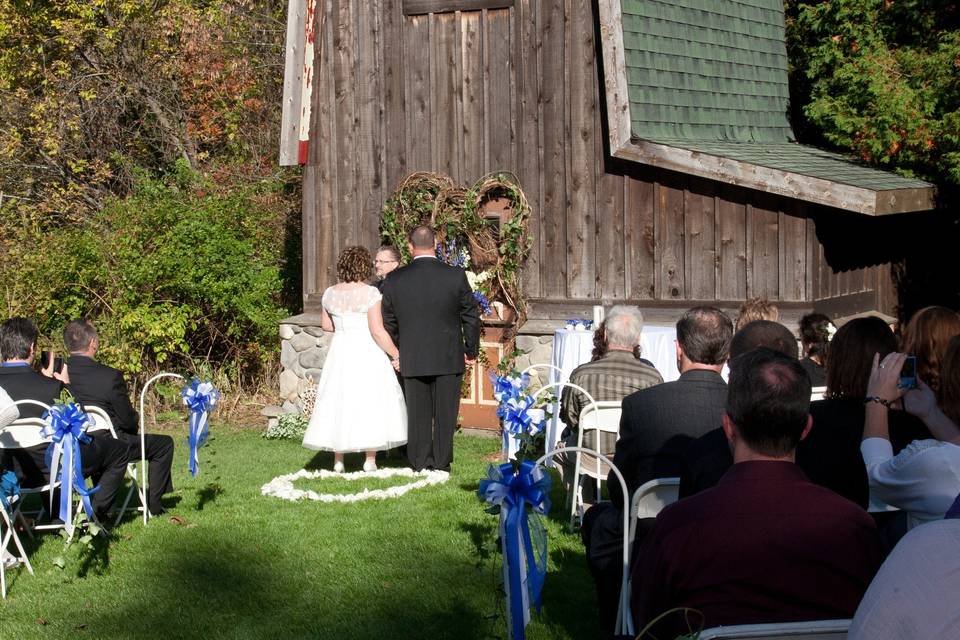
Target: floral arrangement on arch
[(464, 237)]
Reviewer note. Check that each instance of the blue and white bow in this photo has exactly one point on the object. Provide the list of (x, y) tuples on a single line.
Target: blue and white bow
[(522, 535), (67, 429), (201, 398), (519, 416), (506, 387)]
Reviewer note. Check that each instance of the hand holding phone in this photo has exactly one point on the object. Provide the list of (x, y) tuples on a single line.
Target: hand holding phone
[(908, 374)]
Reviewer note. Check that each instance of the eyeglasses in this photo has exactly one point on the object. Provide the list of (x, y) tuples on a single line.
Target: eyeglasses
[(384, 261)]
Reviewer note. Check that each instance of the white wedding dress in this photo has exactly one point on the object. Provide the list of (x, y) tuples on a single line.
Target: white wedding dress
[(359, 405)]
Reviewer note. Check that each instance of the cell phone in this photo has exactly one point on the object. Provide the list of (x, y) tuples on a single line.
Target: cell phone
[(908, 374), (45, 357)]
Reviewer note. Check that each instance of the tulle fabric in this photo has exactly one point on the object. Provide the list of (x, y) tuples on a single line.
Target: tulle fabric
[(359, 405)]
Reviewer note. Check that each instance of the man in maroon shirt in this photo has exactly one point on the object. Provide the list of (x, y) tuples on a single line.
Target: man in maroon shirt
[(765, 544)]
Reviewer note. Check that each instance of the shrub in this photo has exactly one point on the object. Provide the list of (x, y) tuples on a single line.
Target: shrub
[(182, 273)]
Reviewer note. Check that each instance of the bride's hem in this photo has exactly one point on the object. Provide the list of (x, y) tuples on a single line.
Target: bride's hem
[(379, 447)]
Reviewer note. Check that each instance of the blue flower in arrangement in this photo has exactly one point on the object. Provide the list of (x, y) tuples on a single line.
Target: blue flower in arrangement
[(452, 254), (483, 302), (577, 324)]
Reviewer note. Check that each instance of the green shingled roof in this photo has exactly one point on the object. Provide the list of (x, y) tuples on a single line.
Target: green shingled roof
[(711, 76), (707, 70)]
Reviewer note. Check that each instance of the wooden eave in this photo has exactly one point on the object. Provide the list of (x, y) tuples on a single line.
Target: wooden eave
[(626, 146)]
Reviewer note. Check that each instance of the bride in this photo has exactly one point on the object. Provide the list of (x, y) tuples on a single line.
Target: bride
[(359, 404)]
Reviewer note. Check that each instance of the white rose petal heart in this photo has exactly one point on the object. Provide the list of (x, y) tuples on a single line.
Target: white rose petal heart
[(282, 486)]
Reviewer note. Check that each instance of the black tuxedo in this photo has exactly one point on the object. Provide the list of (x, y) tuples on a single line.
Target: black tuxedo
[(429, 310), (98, 385), (105, 460)]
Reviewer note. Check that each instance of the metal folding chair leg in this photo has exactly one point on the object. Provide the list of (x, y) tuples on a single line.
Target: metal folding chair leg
[(10, 532)]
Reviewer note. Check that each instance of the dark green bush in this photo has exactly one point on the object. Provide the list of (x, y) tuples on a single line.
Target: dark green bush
[(183, 273)]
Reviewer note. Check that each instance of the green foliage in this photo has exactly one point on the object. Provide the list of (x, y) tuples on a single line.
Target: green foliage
[(290, 426), (178, 274), (882, 79)]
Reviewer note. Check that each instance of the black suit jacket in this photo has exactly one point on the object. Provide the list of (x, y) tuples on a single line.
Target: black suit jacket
[(23, 383), (92, 383), (658, 423), (429, 310)]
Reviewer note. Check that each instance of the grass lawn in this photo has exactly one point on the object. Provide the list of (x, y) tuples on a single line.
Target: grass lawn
[(241, 565)]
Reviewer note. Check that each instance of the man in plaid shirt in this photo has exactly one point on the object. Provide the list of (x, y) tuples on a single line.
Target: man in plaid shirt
[(614, 375)]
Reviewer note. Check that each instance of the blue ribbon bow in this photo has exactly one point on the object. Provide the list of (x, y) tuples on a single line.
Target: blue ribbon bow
[(524, 549), (506, 387), (9, 488), (519, 416), (67, 429), (200, 398)]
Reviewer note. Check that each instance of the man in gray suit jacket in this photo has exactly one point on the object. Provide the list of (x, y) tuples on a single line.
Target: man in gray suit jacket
[(655, 427)]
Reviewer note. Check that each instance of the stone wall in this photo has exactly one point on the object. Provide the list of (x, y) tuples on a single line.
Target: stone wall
[(303, 348)]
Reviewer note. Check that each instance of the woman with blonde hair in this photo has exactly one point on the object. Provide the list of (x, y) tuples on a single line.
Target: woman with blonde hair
[(359, 405)]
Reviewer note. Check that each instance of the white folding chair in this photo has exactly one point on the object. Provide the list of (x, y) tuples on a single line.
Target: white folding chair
[(143, 446), (811, 630), (100, 421), (624, 624), (650, 498), (24, 433), (817, 393), (7, 533), (602, 416), (574, 493)]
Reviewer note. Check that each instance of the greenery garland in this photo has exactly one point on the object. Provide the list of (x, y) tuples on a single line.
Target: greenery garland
[(456, 214)]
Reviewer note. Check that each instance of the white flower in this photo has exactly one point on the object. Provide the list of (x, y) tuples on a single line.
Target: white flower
[(831, 331), (475, 280)]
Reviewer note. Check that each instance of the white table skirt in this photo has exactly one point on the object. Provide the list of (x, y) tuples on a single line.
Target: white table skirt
[(572, 348)]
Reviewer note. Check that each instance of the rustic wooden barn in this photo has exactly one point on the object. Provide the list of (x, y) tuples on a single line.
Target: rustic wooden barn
[(466, 87), (651, 138)]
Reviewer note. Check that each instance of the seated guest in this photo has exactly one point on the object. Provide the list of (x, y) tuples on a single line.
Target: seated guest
[(765, 544), (95, 384), (754, 309), (815, 332), (103, 459), (705, 460), (924, 478), (926, 337), (914, 595), (615, 374), (600, 346), (830, 455), (656, 425)]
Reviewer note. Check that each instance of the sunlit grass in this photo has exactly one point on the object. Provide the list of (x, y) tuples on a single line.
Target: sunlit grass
[(235, 564)]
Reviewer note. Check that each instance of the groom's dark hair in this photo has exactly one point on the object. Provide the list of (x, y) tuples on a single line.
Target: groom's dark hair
[(422, 237)]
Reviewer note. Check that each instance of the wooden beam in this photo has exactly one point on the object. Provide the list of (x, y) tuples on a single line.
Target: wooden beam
[(292, 79), (777, 181), (420, 7), (614, 74)]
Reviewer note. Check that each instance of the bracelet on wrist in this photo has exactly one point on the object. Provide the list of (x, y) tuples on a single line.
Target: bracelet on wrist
[(888, 404)]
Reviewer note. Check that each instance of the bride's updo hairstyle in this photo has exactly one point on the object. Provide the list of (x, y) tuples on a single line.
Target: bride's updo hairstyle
[(354, 265)]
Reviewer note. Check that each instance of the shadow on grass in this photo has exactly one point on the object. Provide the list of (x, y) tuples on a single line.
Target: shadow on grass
[(218, 589), (95, 557), (208, 494), (483, 537)]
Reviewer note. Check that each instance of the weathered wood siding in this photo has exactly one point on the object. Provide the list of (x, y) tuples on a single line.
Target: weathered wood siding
[(517, 89)]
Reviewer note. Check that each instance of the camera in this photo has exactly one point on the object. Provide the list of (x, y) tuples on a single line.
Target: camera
[(908, 374)]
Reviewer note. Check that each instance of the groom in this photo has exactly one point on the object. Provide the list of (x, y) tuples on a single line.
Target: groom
[(431, 314)]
